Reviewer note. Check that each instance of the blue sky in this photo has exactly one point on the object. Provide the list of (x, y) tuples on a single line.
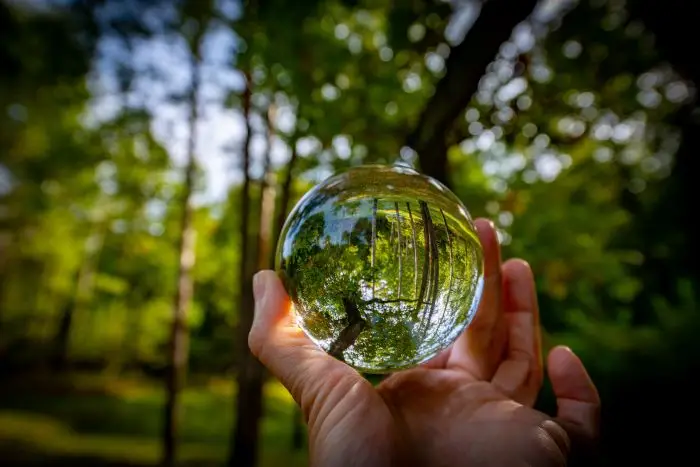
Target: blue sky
[(218, 127)]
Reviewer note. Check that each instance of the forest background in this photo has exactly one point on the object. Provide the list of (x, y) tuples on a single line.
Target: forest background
[(152, 149)]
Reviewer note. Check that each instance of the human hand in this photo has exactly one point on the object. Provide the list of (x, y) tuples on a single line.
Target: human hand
[(471, 405)]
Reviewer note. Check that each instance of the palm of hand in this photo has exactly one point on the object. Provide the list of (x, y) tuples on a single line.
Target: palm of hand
[(472, 405), (435, 417)]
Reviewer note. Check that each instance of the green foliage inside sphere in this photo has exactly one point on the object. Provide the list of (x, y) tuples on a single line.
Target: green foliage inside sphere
[(383, 266)]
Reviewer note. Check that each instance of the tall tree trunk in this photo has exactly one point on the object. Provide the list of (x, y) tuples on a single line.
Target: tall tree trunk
[(285, 196), (267, 198), (178, 348), (244, 449)]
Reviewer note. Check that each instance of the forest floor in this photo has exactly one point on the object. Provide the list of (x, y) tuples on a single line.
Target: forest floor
[(103, 421)]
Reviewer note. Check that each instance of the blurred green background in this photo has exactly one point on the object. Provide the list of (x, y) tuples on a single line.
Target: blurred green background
[(150, 150)]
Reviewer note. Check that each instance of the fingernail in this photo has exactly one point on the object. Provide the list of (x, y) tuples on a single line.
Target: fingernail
[(258, 287), (565, 349), (483, 220)]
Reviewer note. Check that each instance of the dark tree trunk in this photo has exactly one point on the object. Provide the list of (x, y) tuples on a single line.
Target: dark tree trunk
[(81, 293), (350, 332), (249, 411), (62, 339), (285, 196), (465, 67), (178, 345), (244, 445), (267, 199)]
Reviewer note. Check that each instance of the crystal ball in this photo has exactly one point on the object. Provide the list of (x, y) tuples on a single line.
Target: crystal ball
[(383, 267)]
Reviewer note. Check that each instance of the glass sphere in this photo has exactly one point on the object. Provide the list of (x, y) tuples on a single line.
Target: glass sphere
[(383, 267)]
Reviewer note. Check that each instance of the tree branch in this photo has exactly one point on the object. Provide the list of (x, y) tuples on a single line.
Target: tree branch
[(465, 67), (350, 333)]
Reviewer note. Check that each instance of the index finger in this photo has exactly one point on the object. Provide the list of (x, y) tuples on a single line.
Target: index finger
[(479, 350)]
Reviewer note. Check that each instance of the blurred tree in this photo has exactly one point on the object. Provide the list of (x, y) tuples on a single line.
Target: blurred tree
[(464, 68), (195, 21), (244, 446)]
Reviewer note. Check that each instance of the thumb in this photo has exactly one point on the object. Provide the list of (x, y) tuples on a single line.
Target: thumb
[(578, 403), (314, 378)]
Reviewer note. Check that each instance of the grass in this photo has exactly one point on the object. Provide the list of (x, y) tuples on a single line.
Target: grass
[(107, 422)]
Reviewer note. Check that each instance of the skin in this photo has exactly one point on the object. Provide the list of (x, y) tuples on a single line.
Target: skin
[(471, 405)]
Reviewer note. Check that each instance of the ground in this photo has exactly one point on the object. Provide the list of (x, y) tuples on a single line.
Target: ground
[(103, 421)]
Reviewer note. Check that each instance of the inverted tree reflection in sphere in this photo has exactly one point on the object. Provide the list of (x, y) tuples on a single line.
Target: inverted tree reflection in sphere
[(383, 266)]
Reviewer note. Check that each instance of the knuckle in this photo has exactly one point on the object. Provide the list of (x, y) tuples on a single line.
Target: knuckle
[(256, 341)]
